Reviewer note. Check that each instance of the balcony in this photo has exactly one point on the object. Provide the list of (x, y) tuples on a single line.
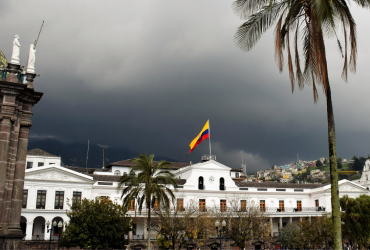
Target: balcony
[(293, 209), (38, 237), (138, 237)]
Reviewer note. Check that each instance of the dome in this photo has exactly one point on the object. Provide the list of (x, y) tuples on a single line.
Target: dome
[(3, 62)]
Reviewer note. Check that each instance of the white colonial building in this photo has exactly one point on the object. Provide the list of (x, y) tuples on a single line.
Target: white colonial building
[(48, 188)]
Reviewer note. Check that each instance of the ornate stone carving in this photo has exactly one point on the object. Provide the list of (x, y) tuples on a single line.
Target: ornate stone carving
[(52, 176), (347, 188)]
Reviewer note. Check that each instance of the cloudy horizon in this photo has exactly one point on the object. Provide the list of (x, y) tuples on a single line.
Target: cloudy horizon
[(146, 75)]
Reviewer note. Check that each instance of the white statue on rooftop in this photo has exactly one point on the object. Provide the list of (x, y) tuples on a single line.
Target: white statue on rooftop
[(31, 60), (16, 48), (367, 165)]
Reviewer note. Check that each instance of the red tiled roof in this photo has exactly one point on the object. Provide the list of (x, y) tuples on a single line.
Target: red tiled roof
[(39, 152), (277, 185), (128, 163)]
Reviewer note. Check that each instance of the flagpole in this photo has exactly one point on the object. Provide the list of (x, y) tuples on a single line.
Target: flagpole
[(209, 132)]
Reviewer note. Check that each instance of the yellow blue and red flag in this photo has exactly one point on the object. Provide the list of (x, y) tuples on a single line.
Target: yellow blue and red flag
[(204, 134)]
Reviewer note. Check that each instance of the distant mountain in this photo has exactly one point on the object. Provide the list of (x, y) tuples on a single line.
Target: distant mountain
[(74, 154)]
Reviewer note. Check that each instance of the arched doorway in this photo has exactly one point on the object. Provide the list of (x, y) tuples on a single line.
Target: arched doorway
[(55, 228), (38, 230), (23, 224)]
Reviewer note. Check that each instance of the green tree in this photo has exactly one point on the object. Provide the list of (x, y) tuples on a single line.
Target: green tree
[(356, 218), (150, 183), (311, 21), (319, 164), (359, 163), (311, 233), (325, 161), (96, 224), (289, 236), (339, 163)]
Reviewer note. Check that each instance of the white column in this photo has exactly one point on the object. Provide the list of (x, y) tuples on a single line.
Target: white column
[(290, 220), (29, 230), (50, 198), (31, 199), (280, 222)]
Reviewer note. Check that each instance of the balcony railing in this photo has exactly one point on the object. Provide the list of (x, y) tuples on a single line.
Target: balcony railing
[(293, 209), (38, 237), (138, 237)]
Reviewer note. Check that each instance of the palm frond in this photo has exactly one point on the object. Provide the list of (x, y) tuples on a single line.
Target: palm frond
[(251, 31), (244, 8)]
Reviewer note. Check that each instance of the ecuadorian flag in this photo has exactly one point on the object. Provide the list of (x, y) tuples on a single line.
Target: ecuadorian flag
[(204, 134)]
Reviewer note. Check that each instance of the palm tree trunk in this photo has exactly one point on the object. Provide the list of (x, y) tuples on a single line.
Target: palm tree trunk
[(148, 228), (337, 232)]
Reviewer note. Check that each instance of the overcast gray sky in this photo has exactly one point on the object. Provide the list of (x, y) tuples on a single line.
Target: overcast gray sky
[(147, 75)]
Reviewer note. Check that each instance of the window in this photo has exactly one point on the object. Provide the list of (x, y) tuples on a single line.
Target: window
[(222, 183), (281, 189), (202, 205), (237, 175), (157, 206), (261, 189), (29, 164), (200, 183), (299, 206), (243, 205), (25, 196), (59, 199), (124, 174), (316, 203), (180, 205), (262, 206), (77, 197), (132, 205), (117, 173), (223, 205), (281, 206), (40, 164), (41, 198), (298, 190)]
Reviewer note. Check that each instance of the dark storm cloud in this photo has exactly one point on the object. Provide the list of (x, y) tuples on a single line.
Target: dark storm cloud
[(148, 74)]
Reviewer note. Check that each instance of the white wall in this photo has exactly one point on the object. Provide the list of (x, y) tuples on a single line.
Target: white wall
[(44, 159)]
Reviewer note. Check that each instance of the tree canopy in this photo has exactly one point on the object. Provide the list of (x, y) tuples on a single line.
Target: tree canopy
[(358, 163), (311, 233), (356, 219), (96, 224), (148, 184), (318, 164)]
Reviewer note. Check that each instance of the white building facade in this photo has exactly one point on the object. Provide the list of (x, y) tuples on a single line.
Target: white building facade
[(48, 189)]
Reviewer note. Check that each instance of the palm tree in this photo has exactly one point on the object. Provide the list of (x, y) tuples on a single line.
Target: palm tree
[(148, 182), (311, 21)]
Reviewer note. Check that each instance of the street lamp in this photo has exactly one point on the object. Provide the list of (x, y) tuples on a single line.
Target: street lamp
[(222, 230), (50, 230), (60, 225)]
